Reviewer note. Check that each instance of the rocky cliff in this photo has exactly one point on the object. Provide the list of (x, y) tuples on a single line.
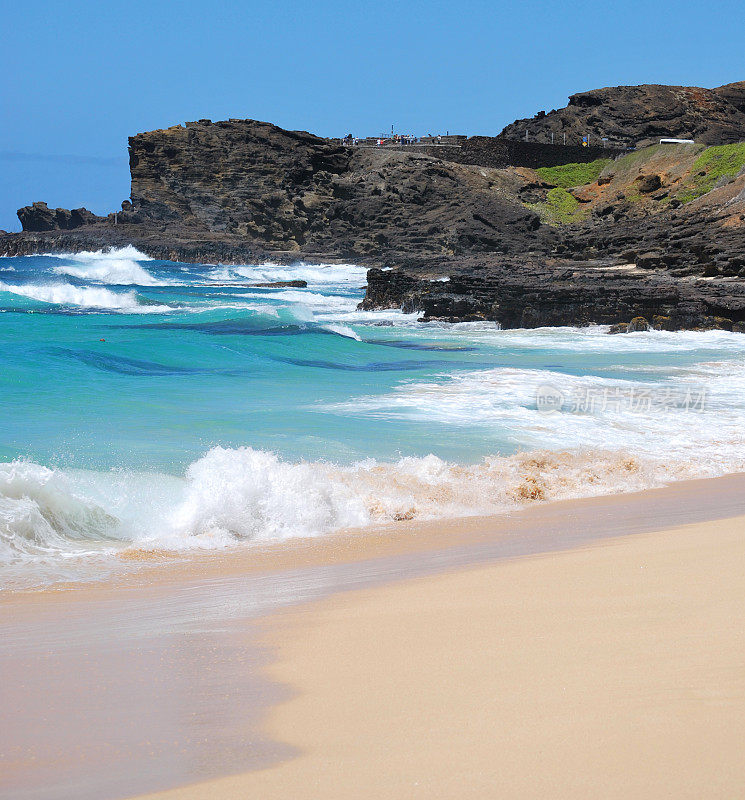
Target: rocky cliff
[(290, 191), (38, 217), (657, 232), (641, 115)]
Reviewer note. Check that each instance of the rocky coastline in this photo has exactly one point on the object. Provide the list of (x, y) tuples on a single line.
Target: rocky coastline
[(657, 232)]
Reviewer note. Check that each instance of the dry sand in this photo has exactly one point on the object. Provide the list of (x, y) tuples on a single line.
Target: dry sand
[(612, 671)]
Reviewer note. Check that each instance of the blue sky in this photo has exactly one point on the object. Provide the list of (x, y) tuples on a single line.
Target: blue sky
[(79, 77)]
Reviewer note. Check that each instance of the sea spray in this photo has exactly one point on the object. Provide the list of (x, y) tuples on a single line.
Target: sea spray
[(234, 496), (250, 494)]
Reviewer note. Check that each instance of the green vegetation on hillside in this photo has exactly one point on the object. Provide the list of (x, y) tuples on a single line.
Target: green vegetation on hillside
[(720, 161), (569, 175), (559, 207)]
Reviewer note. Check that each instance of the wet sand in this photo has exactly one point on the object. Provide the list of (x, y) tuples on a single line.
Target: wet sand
[(615, 671), (163, 680)]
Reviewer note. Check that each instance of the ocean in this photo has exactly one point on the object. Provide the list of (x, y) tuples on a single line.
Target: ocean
[(157, 407)]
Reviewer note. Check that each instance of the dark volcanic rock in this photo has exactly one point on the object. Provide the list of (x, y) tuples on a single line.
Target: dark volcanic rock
[(243, 191), (648, 183), (38, 217), (291, 191), (296, 284), (529, 294), (634, 115), (733, 93)]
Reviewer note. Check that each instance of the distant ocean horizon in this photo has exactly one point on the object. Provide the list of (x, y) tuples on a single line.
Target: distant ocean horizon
[(162, 406)]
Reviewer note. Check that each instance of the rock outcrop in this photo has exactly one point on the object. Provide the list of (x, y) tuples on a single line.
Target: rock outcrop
[(641, 115), (535, 293), (294, 192), (733, 93), (37, 217)]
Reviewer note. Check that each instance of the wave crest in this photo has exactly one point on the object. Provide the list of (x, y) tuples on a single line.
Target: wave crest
[(41, 513), (116, 266), (64, 294)]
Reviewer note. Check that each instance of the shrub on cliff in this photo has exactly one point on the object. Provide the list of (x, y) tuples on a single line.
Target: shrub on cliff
[(559, 207)]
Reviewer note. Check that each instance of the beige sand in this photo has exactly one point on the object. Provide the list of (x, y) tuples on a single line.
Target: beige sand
[(615, 671)]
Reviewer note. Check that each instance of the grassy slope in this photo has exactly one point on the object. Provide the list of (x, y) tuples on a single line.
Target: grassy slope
[(690, 178), (568, 175), (559, 208), (721, 161)]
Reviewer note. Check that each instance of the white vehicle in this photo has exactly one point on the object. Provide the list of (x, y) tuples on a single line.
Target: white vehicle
[(677, 141)]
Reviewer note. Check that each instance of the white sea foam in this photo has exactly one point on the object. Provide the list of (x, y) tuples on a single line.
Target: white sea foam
[(387, 317), (64, 294), (116, 266), (244, 495), (317, 275), (504, 401), (590, 339), (313, 300)]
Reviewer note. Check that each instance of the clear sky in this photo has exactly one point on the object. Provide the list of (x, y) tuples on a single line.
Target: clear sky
[(79, 77)]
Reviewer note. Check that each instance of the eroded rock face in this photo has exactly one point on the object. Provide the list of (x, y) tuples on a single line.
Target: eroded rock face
[(640, 115), (291, 191), (734, 93), (38, 217), (529, 293)]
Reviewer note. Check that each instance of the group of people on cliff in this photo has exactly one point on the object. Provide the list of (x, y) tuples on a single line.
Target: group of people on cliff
[(395, 138)]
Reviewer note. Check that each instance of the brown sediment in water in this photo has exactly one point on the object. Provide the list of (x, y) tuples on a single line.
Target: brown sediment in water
[(159, 680)]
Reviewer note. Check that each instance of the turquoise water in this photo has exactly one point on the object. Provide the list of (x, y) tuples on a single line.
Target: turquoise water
[(171, 405)]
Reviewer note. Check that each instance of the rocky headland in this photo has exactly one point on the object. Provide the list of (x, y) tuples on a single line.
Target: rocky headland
[(522, 233)]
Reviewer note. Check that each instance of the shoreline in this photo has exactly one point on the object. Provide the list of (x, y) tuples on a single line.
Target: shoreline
[(613, 670), (639, 510), (126, 657), (610, 294)]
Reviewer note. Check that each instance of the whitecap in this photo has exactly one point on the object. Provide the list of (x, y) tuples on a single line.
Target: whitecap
[(118, 266), (87, 297)]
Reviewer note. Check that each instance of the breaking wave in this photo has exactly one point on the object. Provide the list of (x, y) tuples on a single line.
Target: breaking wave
[(129, 252), (233, 496), (65, 294), (118, 266), (317, 275), (116, 271), (41, 514)]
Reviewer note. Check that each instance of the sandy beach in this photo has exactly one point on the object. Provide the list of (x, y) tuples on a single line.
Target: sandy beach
[(577, 649), (615, 670)]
